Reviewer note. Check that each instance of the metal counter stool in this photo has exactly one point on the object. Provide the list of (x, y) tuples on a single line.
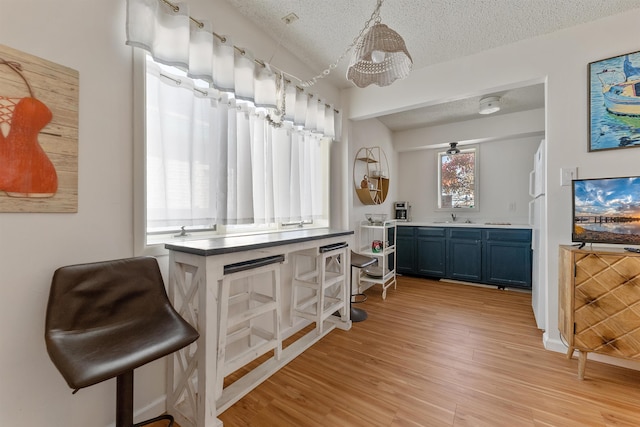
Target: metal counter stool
[(106, 319), (360, 262)]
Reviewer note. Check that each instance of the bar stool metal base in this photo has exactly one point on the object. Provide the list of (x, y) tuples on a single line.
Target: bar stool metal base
[(358, 314), (360, 262)]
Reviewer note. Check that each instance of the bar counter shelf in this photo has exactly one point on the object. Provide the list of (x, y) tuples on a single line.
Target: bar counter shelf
[(252, 270)]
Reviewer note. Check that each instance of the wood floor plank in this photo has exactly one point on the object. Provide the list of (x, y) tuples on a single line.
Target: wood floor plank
[(440, 354)]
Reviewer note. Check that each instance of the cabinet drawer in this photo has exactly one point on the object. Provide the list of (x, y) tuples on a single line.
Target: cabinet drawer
[(405, 231), (508, 235), (432, 232), (465, 233)]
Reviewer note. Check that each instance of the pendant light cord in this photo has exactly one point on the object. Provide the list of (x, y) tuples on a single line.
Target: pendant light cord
[(284, 31)]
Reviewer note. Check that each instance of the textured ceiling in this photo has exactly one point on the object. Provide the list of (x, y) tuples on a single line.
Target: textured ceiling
[(434, 31), (512, 101)]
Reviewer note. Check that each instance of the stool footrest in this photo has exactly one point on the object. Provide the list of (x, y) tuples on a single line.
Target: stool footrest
[(247, 356), (331, 305), (251, 314), (330, 279), (305, 303), (248, 331), (249, 296)]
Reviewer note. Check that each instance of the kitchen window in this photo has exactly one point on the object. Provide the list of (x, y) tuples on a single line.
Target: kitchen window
[(458, 180)]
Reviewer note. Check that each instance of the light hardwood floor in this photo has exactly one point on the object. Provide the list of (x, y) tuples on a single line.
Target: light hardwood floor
[(440, 354)]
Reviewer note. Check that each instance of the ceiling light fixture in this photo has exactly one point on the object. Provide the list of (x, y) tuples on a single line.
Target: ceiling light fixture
[(380, 55), (489, 105), (454, 148)]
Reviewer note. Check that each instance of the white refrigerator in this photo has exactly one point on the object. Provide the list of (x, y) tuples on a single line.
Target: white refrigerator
[(538, 222)]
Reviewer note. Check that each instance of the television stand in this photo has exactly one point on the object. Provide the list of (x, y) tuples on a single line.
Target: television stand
[(597, 297)]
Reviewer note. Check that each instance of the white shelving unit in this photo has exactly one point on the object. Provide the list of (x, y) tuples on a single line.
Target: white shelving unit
[(385, 272)]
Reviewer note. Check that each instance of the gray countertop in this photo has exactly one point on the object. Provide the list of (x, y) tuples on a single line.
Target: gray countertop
[(229, 244)]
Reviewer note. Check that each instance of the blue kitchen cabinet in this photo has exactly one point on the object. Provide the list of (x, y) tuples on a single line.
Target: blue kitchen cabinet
[(464, 260), (507, 258), (495, 256), (431, 251), (406, 250)]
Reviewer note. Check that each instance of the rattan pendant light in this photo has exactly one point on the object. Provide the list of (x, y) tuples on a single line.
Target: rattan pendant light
[(380, 56)]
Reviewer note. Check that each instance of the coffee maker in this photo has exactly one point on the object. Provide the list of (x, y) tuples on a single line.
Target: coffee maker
[(402, 211)]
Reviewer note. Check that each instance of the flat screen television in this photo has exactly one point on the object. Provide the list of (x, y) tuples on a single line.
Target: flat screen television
[(606, 210)]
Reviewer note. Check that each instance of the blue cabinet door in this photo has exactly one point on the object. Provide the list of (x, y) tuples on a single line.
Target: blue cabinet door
[(508, 258), (465, 254), (406, 250), (432, 251)]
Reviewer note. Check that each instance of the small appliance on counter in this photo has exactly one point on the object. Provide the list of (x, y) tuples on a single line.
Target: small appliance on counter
[(402, 211)]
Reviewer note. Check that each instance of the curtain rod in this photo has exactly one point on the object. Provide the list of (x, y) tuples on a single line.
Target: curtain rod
[(242, 51), (205, 93)]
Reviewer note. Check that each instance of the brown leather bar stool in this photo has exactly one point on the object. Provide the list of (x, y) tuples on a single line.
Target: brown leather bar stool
[(106, 319), (359, 261)]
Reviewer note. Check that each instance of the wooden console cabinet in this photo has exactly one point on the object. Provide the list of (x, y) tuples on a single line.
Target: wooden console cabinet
[(599, 302)]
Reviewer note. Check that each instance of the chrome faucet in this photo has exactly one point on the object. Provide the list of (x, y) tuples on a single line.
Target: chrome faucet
[(453, 217)]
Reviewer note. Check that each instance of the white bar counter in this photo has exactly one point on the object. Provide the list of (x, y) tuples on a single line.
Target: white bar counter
[(196, 269)]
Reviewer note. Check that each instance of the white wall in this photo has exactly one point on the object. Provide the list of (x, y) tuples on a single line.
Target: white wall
[(88, 36), (560, 59), (505, 144), (371, 133), (503, 178)]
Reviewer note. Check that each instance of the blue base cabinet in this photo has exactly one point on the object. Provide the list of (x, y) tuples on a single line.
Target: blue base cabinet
[(406, 250), (495, 256), (507, 258), (464, 261), (431, 251)]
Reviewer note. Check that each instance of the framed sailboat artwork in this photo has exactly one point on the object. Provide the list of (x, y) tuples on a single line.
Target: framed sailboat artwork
[(614, 102), (38, 134)]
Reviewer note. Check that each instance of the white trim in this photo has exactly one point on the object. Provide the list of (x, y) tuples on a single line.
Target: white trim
[(139, 154)]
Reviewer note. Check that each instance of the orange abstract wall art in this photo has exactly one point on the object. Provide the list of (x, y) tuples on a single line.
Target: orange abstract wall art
[(25, 169), (38, 134)]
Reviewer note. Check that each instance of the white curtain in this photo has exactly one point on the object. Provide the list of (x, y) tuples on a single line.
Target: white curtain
[(214, 159), (181, 156), (213, 153), (172, 38)]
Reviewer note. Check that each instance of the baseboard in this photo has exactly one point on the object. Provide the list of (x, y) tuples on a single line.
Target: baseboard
[(559, 346), (484, 285), (553, 344)]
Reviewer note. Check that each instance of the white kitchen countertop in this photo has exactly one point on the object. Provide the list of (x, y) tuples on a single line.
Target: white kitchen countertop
[(483, 224)]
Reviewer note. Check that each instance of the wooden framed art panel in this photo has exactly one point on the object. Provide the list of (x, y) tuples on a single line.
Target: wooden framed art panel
[(38, 134), (614, 102)]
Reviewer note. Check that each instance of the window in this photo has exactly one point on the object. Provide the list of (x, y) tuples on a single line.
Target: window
[(457, 180), (213, 165)]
